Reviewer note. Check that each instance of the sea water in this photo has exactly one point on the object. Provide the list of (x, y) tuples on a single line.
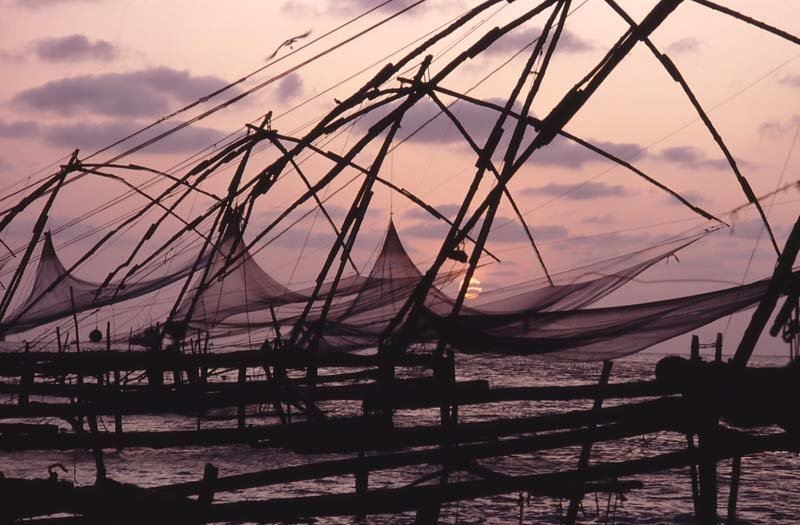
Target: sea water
[(770, 483)]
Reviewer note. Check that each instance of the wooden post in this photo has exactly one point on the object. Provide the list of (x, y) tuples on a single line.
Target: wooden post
[(718, 348), (586, 450), (240, 411), (777, 285), (25, 381), (96, 449), (708, 475), (695, 349), (117, 414), (733, 495), (78, 350), (204, 369), (206, 495), (362, 480), (693, 476)]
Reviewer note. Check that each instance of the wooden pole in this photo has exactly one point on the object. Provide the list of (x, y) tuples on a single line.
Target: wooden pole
[(78, 401), (693, 475), (718, 348), (206, 496), (241, 415), (38, 228), (97, 449), (733, 495), (708, 475), (695, 349), (117, 414), (586, 450), (25, 382), (777, 285)]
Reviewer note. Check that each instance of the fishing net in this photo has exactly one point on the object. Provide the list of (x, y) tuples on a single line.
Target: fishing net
[(49, 297), (592, 334)]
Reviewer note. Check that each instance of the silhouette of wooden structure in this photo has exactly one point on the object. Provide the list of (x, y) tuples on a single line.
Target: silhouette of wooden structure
[(690, 397)]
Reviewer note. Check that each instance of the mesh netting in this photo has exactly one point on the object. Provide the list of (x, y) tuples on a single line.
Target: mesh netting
[(43, 305)]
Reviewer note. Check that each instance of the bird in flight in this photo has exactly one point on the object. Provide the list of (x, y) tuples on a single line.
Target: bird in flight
[(289, 42)]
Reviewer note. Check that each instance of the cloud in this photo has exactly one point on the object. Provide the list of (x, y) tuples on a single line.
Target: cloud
[(689, 157), (684, 46), (509, 230), (753, 229), (598, 219), (11, 56), (355, 7), (36, 4), (566, 154), (289, 88), (145, 93), (692, 196), (776, 128), (98, 135), (417, 213), (18, 129), (589, 190), (504, 230), (73, 48), (479, 122), (426, 230), (3, 164), (569, 42), (790, 80)]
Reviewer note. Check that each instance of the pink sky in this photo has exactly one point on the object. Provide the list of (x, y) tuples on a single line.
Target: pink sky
[(82, 73)]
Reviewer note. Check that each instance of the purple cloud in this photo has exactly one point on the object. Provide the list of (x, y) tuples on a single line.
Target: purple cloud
[(145, 93), (689, 157), (684, 46), (73, 48), (18, 129), (416, 213), (753, 229), (479, 122), (776, 128), (569, 42), (692, 196), (598, 219), (504, 230), (354, 7), (589, 190), (289, 88), (790, 80), (509, 230), (97, 135), (566, 154), (36, 4)]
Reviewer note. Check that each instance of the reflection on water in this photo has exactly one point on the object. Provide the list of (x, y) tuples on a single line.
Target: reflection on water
[(768, 494)]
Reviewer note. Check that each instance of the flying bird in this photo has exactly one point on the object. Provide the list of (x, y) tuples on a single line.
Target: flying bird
[(289, 42)]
